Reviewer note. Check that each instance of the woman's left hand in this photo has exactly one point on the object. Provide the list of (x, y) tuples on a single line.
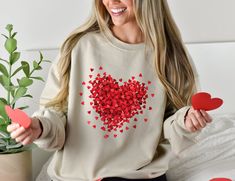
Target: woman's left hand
[(196, 119)]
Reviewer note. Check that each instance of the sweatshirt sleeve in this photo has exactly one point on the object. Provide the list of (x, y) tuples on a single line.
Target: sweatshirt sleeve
[(176, 133), (53, 121)]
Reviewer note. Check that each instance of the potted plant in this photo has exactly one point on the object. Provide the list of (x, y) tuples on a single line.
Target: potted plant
[(15, 79)]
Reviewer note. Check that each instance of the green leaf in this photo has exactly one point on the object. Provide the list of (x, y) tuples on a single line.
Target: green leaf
[(3, 126), (2, 111), (25, 82), (41, 56), (24, 107), (2, 140), (16, 71), (19, 93), (3, 70), (47, 61), (4, 101), (4, 134), (9, 27), (13, 93), (28, 95), (35, 64), (14, 34), (1, 122), (4, 61), (11, 45), (11, 87), (14, 57), (2, 148), (26, 68), (5, 36), (38, 78), (39, 68), (18, 145), (17, 150), (4, 81)]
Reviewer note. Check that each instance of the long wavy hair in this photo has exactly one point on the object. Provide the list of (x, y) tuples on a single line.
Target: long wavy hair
[(172, 63)]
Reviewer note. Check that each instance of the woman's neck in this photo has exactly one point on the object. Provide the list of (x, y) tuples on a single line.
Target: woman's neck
[(128, 34)]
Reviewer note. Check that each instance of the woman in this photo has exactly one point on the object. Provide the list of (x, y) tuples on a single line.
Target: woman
[(119, 95)]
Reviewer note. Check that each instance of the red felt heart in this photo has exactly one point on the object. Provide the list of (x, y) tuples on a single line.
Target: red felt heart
[(203, 101), (18, 116), (117, 104)]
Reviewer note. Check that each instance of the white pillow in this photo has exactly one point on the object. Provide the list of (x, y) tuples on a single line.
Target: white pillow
[(216, 145)]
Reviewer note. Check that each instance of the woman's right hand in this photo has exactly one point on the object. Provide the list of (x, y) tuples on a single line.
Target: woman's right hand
[(23, 135), (196, 119)]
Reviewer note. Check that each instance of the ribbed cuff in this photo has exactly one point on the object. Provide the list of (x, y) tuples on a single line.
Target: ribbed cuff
[(44, 126), (181, 114)]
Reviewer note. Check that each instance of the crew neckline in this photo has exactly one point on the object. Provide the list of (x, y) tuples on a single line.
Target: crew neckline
[(122, 45)]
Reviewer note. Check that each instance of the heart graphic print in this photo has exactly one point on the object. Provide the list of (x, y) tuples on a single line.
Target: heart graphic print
[(117, 103)]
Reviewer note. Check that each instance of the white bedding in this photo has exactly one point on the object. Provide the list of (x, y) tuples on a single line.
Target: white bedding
[(212, 157)]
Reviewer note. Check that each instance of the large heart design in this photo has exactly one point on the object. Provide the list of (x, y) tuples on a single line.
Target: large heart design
[(203, 101), (115, 103), (18, 116)]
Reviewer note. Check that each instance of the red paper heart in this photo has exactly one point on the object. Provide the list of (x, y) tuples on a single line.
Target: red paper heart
[(117, 104), (18, 116), (220, 179), (203, 101)]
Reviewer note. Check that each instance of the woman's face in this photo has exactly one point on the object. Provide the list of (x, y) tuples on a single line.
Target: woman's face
[(121, 11)]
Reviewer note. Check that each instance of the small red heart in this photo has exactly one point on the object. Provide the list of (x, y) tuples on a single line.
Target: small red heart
[(18, 116), (203, 101)]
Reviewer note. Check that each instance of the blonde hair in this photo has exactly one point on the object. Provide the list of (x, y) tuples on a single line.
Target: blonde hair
[(171, 62)]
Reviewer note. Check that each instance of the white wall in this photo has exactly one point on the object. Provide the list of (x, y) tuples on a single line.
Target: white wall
[(214, 63), (45, 24), (205, 20)]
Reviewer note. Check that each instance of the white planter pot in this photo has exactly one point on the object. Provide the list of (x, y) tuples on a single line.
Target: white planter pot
[(16, 167)]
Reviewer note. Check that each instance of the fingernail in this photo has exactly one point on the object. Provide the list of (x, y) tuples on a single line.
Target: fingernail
[(22, 128), (12, 135)]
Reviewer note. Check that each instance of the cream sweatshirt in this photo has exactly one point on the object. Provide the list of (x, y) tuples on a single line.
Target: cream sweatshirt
[(114, 125)]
